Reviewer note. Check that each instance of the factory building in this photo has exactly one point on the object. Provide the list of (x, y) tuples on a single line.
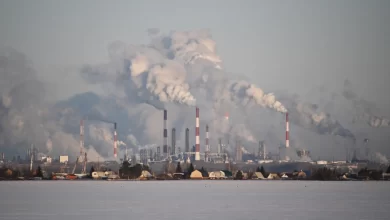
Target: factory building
[(64, 159)]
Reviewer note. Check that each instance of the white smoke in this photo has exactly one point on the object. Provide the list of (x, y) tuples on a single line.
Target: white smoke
[(363, 109), (245, 92), (375, 121), (307, 116), (380, 158), (175, 71)]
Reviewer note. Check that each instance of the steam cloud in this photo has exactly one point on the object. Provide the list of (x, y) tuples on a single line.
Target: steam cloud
[(307, 116), (175, 71), (364, 108)]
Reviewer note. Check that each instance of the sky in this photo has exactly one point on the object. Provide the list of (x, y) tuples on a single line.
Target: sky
[(295, 45)]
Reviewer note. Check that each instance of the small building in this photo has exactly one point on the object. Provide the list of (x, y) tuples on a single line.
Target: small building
[(196, 174), (112, 176), (178, 176), (220, 175), (301, 175), (145, 175), (212, 175), (98, 174), (64, 159), (273, 176), (287, 176), (258, 176)]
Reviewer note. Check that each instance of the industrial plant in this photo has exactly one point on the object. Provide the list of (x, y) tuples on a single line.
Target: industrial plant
[(287, 159)]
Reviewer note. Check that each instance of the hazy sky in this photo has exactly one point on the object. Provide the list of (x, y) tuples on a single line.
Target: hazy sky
[(279, 44)]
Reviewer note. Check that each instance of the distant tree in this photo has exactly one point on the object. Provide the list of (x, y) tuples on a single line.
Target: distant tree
[(39, 172), (262, 171), (191, 168), (250, 175), (147, 168), (388, 170), (178, 168), (324, 174), (91, 171), (239, 175), (204, 172)]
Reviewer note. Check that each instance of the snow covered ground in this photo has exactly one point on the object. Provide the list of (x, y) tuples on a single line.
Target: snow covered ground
[(82, 200)]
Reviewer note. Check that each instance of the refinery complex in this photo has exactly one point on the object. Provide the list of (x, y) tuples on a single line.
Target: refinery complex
[(222, 157)]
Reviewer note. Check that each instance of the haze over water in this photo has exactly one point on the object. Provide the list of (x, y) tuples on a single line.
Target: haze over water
[(194, 200)]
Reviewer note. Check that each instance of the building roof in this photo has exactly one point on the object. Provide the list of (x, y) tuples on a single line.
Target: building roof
[(258, 175), (196, 174)]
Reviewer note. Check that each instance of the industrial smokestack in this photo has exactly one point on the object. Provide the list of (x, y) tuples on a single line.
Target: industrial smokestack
[(207, 146), (115, 140), (173, 141), (2, 155), (207, 139), (187, 140), (81, 137), (287, 132), (158, 153), (238, 151), (197, 143), (165, 145), (219, 145)]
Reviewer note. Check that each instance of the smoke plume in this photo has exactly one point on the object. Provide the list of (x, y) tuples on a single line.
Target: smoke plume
[(307, 116), (364, 109), (175, 71)]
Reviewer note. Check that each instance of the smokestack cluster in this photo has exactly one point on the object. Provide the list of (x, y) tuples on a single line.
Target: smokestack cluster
[(173, 141), (287, 132), (187, 140), (115, 141), (165, 145), (197, 144)]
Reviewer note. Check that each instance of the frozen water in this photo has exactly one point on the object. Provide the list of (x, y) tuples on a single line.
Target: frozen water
[(238, 200)]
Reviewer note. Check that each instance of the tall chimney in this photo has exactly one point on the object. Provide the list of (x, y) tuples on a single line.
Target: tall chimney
[(158, 154), (165, 145), (115, 141), (187, 140), (219, 150), (207, 139), (287, 132), (173, 141), (207, 146), (197, 143), (81, 137)]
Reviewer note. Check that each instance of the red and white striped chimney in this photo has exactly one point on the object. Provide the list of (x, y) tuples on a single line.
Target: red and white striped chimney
[(81, 136), (115, 141), (207, 139), (165, 146), (197, 143), (287, 132)]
